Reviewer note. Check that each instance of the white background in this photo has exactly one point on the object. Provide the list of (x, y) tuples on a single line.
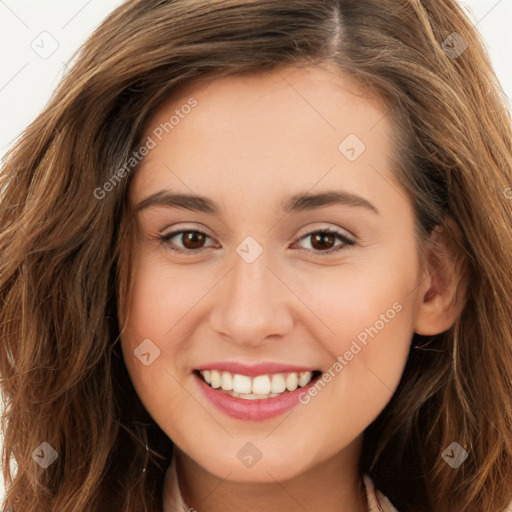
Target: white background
[(27, 79)]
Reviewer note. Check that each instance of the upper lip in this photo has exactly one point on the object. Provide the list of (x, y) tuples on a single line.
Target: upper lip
[(254, 369)]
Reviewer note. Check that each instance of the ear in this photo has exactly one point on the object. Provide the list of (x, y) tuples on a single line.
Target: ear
[(442, 290)]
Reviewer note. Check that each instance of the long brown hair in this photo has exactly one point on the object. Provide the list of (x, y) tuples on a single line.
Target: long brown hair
[(64, 264)]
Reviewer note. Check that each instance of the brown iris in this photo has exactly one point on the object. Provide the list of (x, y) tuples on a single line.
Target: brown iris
[(194, 238), (323, 239)]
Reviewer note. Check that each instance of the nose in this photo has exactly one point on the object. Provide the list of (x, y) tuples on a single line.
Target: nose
[(253, 305)]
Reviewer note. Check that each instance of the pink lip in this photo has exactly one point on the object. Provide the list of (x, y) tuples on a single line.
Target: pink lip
[(251, 410), (253, 370)]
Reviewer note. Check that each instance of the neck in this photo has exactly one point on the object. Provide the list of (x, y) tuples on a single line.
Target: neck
[(331, 486)]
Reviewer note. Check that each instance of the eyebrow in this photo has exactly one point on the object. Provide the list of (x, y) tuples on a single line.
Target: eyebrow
[(299, 202)]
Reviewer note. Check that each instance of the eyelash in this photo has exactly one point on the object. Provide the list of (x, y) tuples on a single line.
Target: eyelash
[(346, 241)]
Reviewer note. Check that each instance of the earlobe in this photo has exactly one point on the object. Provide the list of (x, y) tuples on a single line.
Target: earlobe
[(442, 292)]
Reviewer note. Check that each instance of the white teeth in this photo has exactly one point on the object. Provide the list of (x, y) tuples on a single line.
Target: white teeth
[(278, 383), (304, 378), (261, 386), (292, 381), (251, 396), (216, 380), (242, 383), (227, 381)]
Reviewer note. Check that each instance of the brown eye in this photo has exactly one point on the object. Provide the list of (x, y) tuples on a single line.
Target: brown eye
[(322, 240), (192, 239), (187, 241)]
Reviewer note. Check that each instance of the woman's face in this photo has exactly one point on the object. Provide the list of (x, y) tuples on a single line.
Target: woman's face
[(270, 162)]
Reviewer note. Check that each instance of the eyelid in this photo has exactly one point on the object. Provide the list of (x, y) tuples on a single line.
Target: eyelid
[(328, 229)]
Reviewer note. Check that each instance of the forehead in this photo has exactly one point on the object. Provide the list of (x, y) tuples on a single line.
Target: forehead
[(270, 129), (312, 94)]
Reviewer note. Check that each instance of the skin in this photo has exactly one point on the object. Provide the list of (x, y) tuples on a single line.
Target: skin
[(249, 144)]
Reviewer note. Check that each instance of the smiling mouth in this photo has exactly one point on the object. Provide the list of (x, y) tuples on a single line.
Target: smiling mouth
[(258, 387)]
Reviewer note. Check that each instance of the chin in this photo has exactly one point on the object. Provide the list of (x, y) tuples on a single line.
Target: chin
[(265, 470)]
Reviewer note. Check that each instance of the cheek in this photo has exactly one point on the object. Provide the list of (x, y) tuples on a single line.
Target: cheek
[(162, 315), (161, 297), (371, 319), (367, 326), (155, 309), (368, 355), (151, 363)]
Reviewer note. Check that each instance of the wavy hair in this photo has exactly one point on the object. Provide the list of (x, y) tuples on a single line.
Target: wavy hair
[(65, 264)]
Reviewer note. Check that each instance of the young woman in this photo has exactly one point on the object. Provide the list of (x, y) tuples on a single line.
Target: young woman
[(257, 255)]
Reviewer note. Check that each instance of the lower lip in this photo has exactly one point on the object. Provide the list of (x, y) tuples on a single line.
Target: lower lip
[(252, 410)]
